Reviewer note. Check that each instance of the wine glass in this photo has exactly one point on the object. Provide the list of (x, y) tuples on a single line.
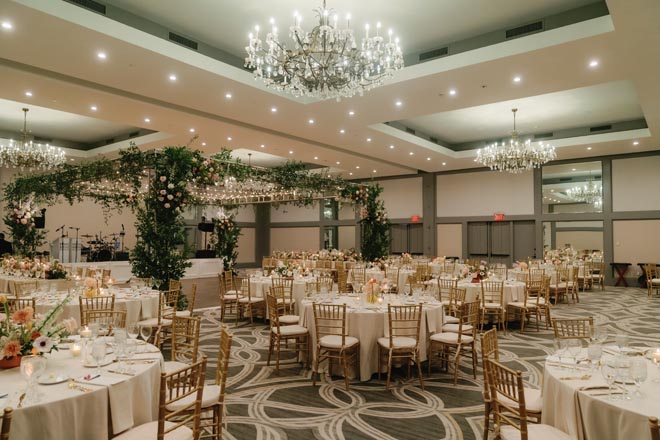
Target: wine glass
[(623, 364), (609, 374), (638, 373), (99, 350), (32, 367), (622, 340), (560, 348), (595, 353), (120, 338), (132, 330), (130, 349), (600, 333), (145, 332), (574, 348)]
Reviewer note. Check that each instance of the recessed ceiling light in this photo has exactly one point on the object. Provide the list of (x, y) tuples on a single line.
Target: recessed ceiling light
[(192, 130), (228, 95), (101, 55), (574, 169), (552, 190), (398, 103), (411, 153), (444, 163), (593, 63), (428, 158), (368, 139), (172, 77), (391, 147), (147, 120), (316, 158), (351, 113), (311, 121), (273, 109), (589, 148), (262, 146), (93, 108), (203, 144), (338, 163), (350, 174), (342, 131), (7, 25), (373, 171), (517, 79), (290, 151), (452, 92), (28, 94), (357, 167), (636, 143), (229, 138)]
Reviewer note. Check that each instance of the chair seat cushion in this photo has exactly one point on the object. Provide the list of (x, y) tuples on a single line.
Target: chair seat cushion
[(150, 430), (210, 397), (230, 296), (284, 300), (334, 341), (451, 338), (252, 300), (291, 330), (536, 432), (170, 366), (183, 313), (531, 304), (448, 319), (398, 342), (153, 322), (655, 280), (493, 305), (533, 400), (289, 319), (454, 328)]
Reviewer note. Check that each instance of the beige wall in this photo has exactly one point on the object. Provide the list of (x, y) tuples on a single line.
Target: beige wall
[(485, 193), (291, 213), (580, 239), (246, 243), (637, 241), (402, 197), (299, 239), (346, 237), (636, 184), (450, 240)]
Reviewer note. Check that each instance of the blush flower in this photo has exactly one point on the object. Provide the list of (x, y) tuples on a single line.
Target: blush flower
[(11, 349), (22, 316), (43, 344)]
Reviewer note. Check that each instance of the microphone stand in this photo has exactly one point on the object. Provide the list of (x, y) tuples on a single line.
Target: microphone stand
[(61, 229), (76, 244)]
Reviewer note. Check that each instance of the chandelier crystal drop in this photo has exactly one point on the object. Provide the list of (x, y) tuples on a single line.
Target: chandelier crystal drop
[(516, 156), (25, 154), (591, 192), (326, 62)]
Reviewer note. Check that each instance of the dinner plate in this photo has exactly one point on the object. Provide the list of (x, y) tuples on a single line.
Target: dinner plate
[(90, 363), (52, 378)]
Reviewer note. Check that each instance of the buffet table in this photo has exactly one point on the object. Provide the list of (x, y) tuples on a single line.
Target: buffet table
[(368, 323), (114, 403)]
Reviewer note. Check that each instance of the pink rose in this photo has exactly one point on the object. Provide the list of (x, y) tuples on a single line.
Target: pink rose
[(167, 205), (163, 178)]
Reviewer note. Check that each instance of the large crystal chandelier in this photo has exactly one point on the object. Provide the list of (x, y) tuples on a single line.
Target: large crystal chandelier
[(590, 192), (326, 62), (25, 154), (516, 156)]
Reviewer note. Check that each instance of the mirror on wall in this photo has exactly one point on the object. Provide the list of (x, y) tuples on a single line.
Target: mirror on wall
[(583, 236), (573, 188)]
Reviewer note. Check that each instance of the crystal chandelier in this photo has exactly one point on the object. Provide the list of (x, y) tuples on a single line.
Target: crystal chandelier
[(516, 156), (326, 62), (25, 154), (591, 192)]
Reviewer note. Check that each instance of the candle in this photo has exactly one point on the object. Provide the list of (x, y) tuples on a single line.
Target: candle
[(656, 355), (86, 332), (76, 349), (380, 300)]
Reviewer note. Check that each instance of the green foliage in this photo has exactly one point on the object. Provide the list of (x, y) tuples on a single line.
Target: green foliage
[(20, 221), (374, 225), (225, 240)]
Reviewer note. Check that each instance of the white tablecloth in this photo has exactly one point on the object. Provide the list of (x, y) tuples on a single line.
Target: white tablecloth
[(8, 283), (259, 288), (68, 414), (437, 268), (369, 325), (379, 275), (587, 417), (513, 290)]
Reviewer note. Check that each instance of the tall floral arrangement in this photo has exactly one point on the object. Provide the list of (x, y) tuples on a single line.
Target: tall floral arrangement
[(20, 219), (225, 240), (374, 224)]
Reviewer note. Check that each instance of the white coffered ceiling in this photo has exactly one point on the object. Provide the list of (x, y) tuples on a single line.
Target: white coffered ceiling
[(52, 50)]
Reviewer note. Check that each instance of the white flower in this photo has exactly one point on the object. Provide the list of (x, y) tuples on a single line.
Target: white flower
[(167, 206), (70, 325), (170, 186), (43, 344), (170, 197)]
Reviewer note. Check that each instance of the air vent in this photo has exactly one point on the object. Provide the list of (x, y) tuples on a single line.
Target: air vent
[(600, 128), (90, 4), (133, 134), (410, 130), (183, 41), (543, 135), (425, 56), (524, 30)]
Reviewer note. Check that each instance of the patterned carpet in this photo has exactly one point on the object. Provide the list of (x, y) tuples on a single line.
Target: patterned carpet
[(263, 405)]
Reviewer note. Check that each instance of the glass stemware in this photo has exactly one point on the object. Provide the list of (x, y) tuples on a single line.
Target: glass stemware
[(609, 374), (638, 373), (574, 348), (622, 341), (132, 330), (99, 350), (32, 367), (560, 348), (145, 332)]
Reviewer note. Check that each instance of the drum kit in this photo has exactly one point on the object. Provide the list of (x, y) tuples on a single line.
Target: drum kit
[(101, 247)]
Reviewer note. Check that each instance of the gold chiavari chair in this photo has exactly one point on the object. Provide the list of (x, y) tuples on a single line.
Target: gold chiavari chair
[(6, 423), (584, 278), (185, 342), (448, 268), (598, 275), (229, 295), (325, 282), (20, 303), (22, 288), (573, 328), (489, 350), (175, 285), (267, 264), (90, 272), (357, 275), (521, 277), (109, 318), (281, 335), (500, 271), (492, 302), (167, 303), (403, 339), (332, 342), (342, 281), (528, 307), (559, 288), (461, 342), (192, 296), (284, 298), (655, 428), (79, 272), (455, 298), (543, 301), (572, 283), (249, 304), (101, 302), (535, 274), (652, 279), (179, 406), (510, 408)]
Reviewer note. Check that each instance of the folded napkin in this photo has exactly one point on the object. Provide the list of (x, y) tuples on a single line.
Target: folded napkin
[(105, 379)]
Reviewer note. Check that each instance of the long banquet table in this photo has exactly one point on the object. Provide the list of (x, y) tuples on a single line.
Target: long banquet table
[(8, 283), (115, 403), (370, 323), (589, 414)]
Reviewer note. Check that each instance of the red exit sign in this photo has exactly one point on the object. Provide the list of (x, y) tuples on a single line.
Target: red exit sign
[(414, 219), (498, 217)]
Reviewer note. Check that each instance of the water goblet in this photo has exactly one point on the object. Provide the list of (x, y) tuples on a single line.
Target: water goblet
[(595, 353), (609, 374), (623, 364), (132, 330), (145, 332), (638, 373), (622, 341), (99, 350), (560, 348), (574, 348), (32, 367)]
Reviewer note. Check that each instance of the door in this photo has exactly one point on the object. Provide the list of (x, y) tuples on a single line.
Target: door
[(524, 240)]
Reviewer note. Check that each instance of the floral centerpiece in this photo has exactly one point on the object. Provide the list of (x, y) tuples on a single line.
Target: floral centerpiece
[(55, 271), (21, 333), (90, 287), (520, 265), (372, 289), (476, 272), (284, 271)]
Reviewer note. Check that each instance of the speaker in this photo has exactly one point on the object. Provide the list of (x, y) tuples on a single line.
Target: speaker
[(40, 222), (205, 227), (205, 254)]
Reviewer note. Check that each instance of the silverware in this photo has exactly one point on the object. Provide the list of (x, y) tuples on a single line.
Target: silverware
[(121, 372), (73, 385), (585, 377), (20, 401), (606, 394)]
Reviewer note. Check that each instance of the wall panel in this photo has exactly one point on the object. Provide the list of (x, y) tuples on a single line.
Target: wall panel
[(637, 241), (246, 245), (402, 197), (291, 213), (636, 184), (450, 240), (298, 239)]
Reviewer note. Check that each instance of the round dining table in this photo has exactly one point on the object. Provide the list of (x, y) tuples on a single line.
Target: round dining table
[(8, 283), (576, 401), (379, 275), (368, 322), (259, 286), (84, 409), (513, 290)]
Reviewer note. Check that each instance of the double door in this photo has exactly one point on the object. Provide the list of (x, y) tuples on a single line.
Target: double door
[(501, 242), (407, 237)]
